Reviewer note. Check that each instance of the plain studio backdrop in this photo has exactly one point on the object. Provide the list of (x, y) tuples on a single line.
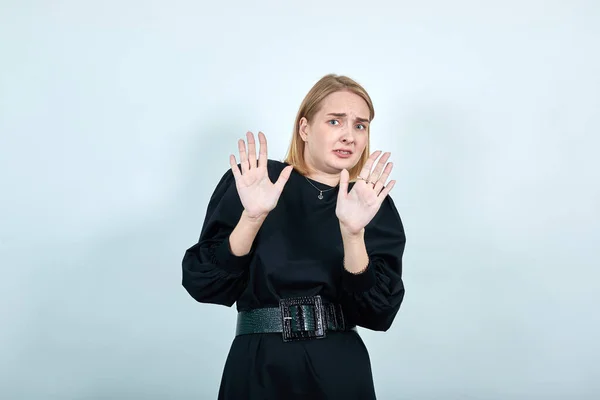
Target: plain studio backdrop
[(117, 120)]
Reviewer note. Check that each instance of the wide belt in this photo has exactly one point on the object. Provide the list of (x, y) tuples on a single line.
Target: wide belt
[(296, 318)]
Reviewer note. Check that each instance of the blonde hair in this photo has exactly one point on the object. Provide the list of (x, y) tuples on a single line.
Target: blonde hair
[(311, 104)]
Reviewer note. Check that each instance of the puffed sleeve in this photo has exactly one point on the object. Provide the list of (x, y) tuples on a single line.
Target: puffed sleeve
[(211, 273), (373, 297)]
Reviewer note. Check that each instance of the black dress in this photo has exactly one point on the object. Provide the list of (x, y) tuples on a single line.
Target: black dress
[(297, 252)]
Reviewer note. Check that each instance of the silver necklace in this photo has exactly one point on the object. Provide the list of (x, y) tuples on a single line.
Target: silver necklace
[(320, 196)]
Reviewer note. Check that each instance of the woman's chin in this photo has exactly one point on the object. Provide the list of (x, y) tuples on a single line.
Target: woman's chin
[(343, 163)]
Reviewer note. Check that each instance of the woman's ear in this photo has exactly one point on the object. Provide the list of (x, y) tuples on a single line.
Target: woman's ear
[(303, 128)]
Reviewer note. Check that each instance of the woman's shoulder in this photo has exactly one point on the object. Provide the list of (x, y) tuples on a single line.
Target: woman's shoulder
[(276, 165), (388, 216), (226, 182), (274, 168)]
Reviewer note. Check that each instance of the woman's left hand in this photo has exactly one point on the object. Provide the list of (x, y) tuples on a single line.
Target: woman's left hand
[(357, 208)]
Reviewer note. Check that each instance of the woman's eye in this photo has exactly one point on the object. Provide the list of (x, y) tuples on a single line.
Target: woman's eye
[(361, 126), (333, 122)]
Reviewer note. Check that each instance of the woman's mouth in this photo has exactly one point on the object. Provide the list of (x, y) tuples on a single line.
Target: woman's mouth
[(343, 153)]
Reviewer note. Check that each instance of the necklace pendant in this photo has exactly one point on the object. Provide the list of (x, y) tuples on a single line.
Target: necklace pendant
[(320, 196)]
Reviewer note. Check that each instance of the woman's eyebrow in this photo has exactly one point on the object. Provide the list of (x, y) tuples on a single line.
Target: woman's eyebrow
[(343, 115)]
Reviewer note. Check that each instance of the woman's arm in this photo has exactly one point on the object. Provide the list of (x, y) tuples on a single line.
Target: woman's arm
[(372, 276), (244, 233)]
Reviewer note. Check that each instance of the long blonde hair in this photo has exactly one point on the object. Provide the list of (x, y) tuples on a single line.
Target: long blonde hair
[(310, 106)]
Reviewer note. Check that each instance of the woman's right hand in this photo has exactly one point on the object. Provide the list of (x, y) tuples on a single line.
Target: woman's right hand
[(256, 191)]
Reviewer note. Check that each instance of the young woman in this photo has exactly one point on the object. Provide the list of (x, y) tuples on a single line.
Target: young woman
[(308, 249)]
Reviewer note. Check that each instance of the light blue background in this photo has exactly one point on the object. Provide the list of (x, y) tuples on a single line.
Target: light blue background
[(117, 120)]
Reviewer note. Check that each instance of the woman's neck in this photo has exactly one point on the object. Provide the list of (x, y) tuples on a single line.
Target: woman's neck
[(324, 178)]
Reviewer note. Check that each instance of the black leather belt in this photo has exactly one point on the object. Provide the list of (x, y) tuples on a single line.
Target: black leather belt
[(296, 318)]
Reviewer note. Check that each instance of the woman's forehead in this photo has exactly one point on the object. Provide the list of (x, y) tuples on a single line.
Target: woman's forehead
[(346, 103)]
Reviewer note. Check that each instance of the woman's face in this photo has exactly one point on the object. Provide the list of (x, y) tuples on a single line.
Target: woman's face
[(337, 135)]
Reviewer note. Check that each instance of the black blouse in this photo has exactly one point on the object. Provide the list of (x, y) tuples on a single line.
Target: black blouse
[(297, 252)]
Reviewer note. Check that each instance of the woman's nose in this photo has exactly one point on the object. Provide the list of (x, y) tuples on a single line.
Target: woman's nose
[(348, 137)]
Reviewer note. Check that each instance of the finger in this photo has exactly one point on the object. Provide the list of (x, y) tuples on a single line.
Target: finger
[(234, 167), (243, 155), (283, 178), (251, 150), (344, 178), (262, 159), (375, 175), (365, 172), (383, 178), (386, 190)]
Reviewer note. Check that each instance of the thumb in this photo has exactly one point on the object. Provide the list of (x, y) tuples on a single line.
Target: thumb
[(344, 179), (283, 178)]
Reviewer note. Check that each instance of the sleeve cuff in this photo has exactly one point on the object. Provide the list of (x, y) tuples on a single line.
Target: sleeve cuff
[(229, 262), (358, 283)]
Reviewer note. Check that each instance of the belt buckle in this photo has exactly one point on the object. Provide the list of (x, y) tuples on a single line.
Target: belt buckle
[(319, 321)]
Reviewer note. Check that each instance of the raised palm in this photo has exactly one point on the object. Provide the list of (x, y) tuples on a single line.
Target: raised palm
[(358, 207), (256, 191)]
